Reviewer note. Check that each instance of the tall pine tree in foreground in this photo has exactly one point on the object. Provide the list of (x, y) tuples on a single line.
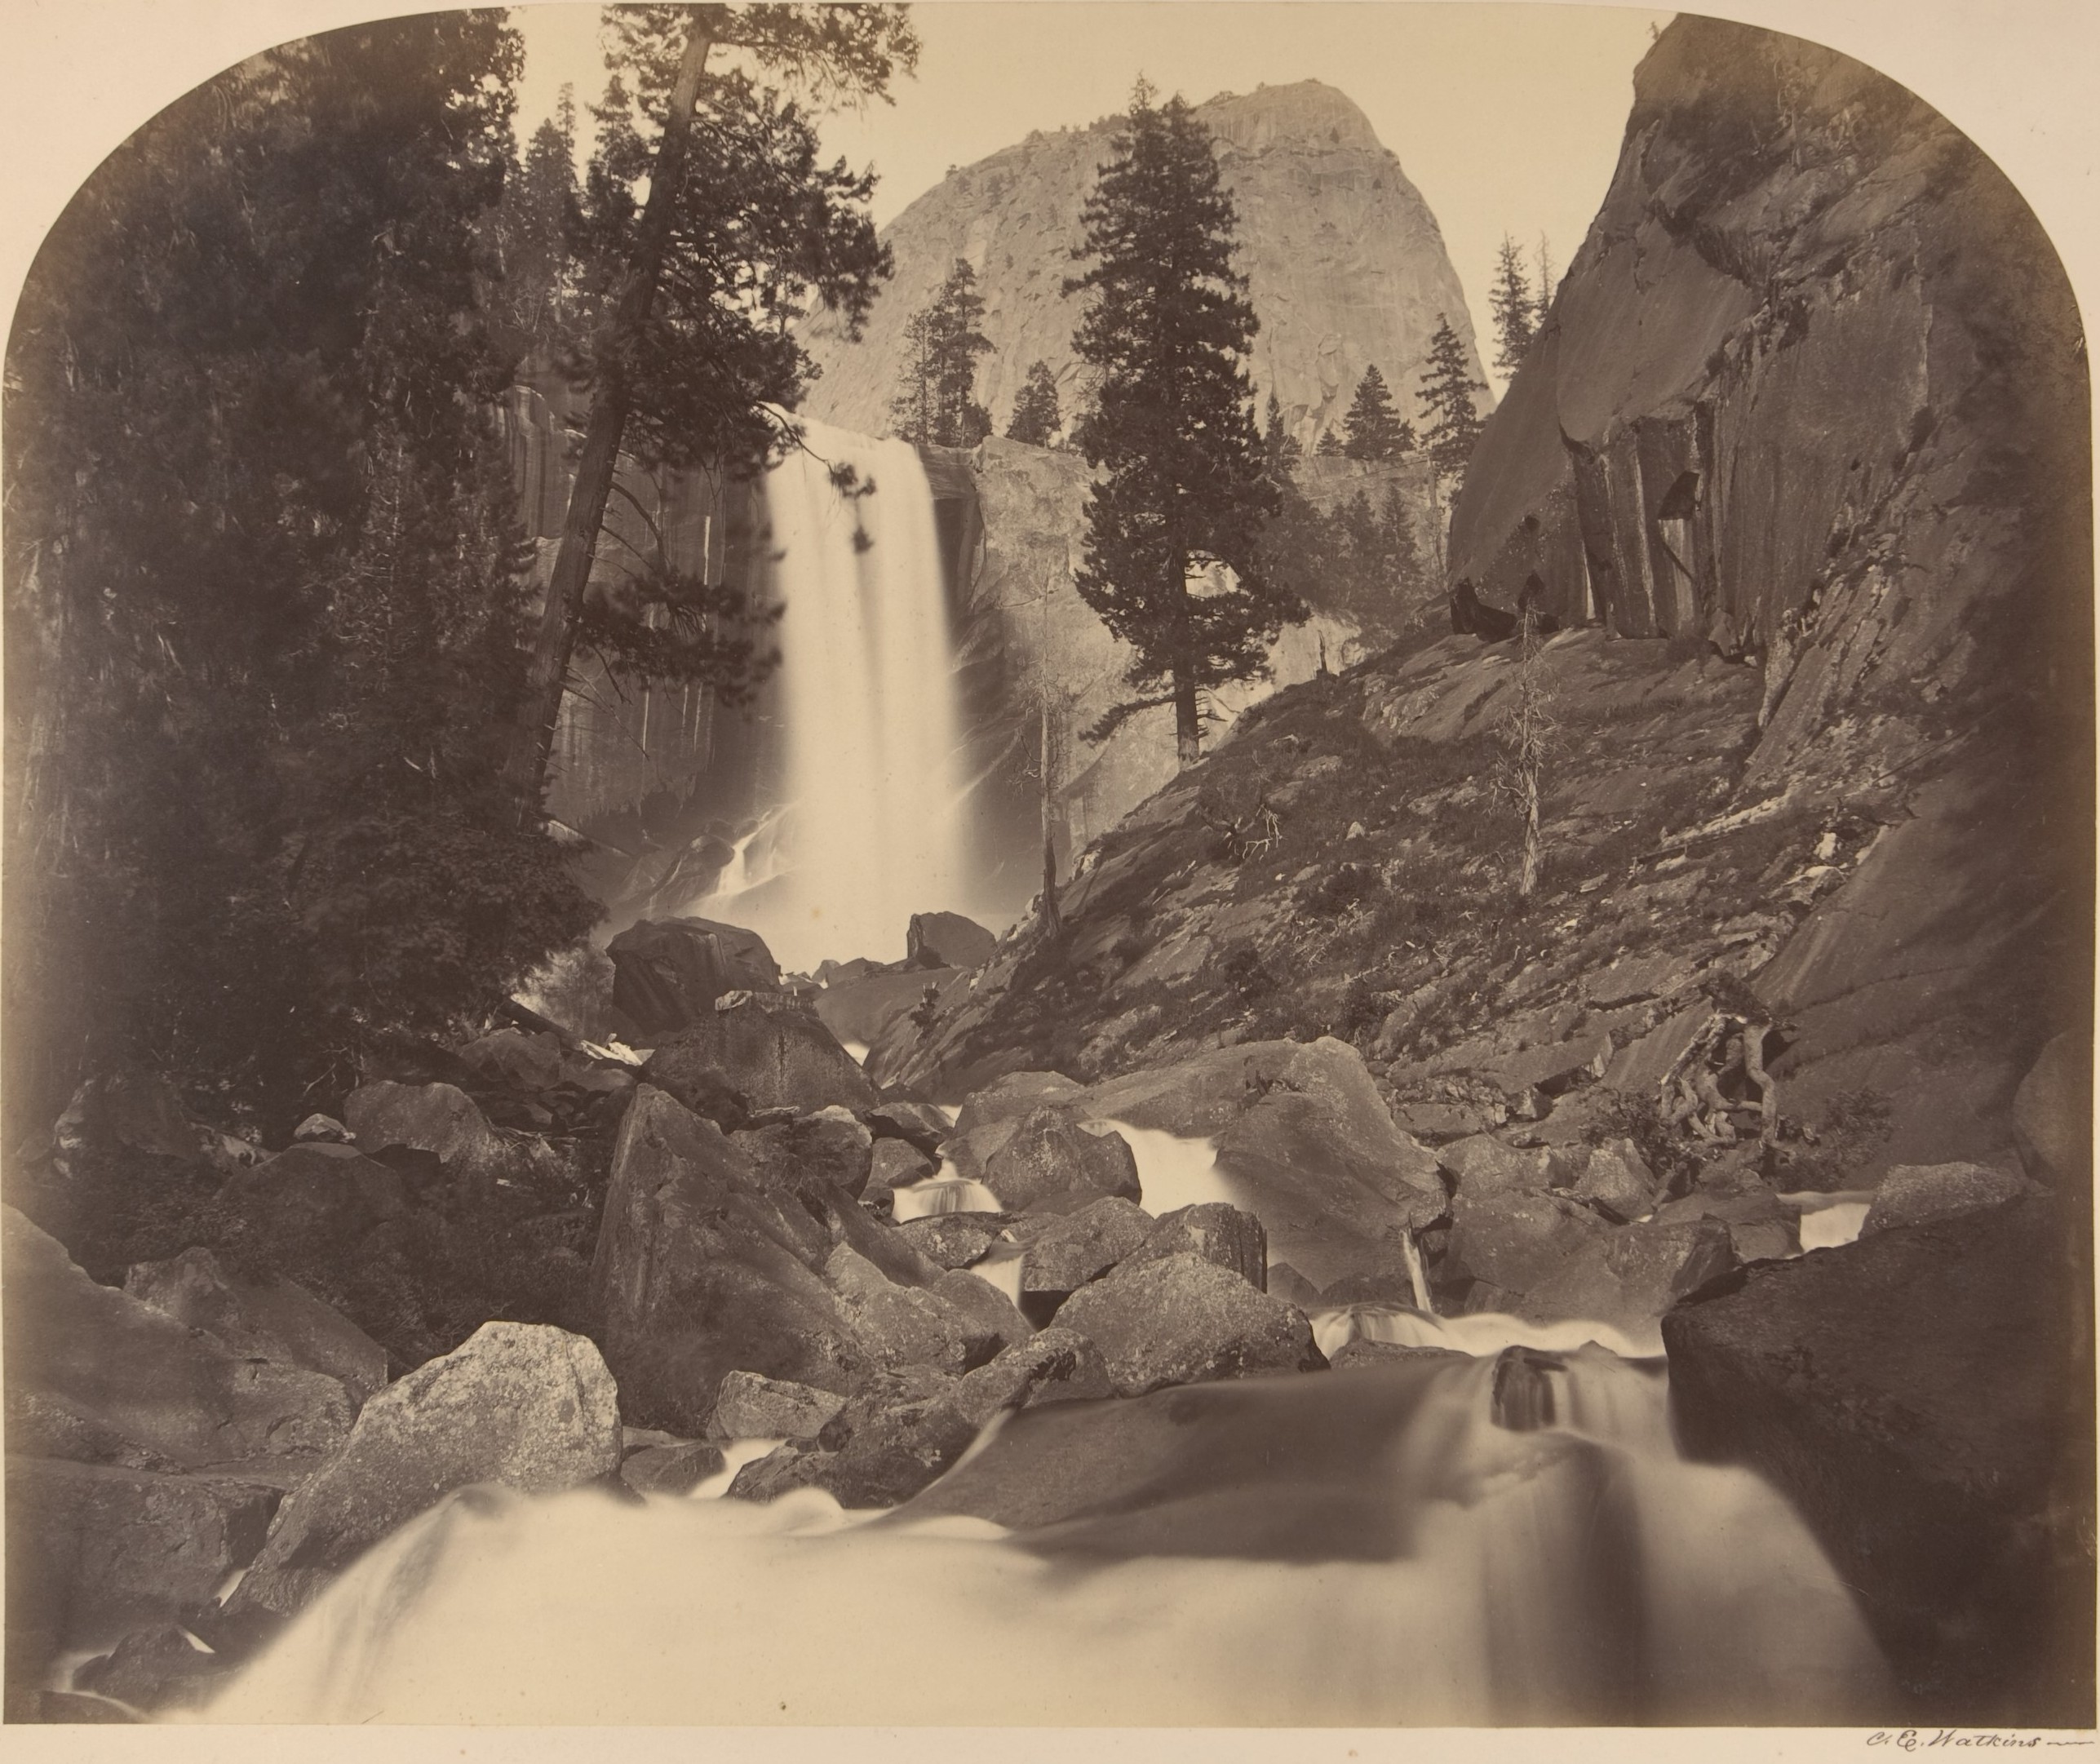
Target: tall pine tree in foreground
[(1516, 313), (1373, 430), (1182, 485), (1036, 416), (936, 404)]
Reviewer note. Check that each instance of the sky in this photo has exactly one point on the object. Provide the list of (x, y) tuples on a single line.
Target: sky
[(1508, 118)]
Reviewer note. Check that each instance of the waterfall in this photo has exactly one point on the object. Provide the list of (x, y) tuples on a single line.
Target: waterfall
[(1510, 1538), (869, 832)]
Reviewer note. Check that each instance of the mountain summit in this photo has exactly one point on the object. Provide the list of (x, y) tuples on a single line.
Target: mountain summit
[(1347, 265)]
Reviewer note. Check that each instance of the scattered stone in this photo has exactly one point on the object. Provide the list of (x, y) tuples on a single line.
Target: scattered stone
[(1912, 1193), (123, 1371), (1047, 1155), (667, 973), (1553, 1069), (267, 1318), (947, 940), (523, 1404), (1065, 1253), (952, 1240), (1485, 1165), (1185, 1320), (323, 1127), (1447, 1120), (1920, 1398), (701, 1271), (768, 1049), (434, 1118), (1634, 977), (1218, 1233), (918, 1124), (677, 1470), (1612, 1178), (752, 1408)]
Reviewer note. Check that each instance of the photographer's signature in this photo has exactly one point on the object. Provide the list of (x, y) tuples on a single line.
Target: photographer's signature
[(1927, 1738)]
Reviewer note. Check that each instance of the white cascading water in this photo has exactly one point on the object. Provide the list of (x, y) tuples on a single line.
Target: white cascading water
[(869, 831)]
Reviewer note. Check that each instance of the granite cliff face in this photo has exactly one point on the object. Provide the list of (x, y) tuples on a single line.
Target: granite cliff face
[(1346, 266)]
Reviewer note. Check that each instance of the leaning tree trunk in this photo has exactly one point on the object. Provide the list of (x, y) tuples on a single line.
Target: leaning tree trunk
[(1053, 924), (532, 740)]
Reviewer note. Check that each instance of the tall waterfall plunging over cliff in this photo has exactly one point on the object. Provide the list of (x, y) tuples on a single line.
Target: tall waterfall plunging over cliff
[(868, 832)]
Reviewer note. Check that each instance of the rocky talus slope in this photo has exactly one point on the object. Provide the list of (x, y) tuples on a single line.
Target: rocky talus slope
[(1345, 264)]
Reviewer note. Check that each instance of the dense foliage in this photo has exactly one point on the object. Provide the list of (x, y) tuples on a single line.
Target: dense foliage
[(1516, 309), (1174, 518), (266, 592), (1037, 417), (936, 404)]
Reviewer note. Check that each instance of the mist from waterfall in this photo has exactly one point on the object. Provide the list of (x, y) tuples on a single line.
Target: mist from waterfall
[(868, 831)]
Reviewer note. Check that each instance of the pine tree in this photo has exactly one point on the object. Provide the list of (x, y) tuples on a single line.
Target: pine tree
[(534, 295), (1332, 446), (1280, 451), (1546, 288), (936, 404), (1516, 311), (1451, 423), (1373, 430), (693, 291), (1181, 487), (1035, 419)]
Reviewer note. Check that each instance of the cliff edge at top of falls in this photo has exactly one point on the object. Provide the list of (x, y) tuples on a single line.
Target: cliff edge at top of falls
[(1345, 264), (1817, 359)]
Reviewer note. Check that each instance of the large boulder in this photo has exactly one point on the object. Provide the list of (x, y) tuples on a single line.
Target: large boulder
[(953, 1239), (769, 1048), (1218, 1233), (1514, 1242), (1064, 1252), (667, 973), (1055, 1365), (441, 1119), (1482, 1164), (751, 1408), (1628, 1278), (1184, 1320), (827, 1151), (96, 1550), (947, 940), (920, 1125), (112, 1378), (902, 1326), (2053, 1114), (523, 1404), (1924, 1397), (317, 1190), (261, 1317), (1912, 1193), (1613, 1177), (1047, 1157), (701, 1270), (862, 1009), (515, 1060)]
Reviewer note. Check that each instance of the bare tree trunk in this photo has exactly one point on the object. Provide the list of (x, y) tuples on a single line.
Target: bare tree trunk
[(532, 740), (1052, 923)]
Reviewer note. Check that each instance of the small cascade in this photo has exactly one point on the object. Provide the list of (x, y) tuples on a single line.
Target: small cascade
[(1173, 1170), (1418, 1280), (1001, 1266), (1505, 1539), (940, 1195), (869, 832)]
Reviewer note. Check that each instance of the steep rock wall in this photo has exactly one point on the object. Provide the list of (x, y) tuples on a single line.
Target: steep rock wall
[(1346, 266)]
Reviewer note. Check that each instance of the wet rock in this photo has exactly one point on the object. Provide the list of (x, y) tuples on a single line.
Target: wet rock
[(1218, 1233), (1013, 1097), (1612, 1178), (434, 1118), (119, 1369), (263, 1318), (526, 1405), (1357, 1353), (899, 1325), (770, 1049), (918, 1124), (1185, 1320), (1287, 1284), (517, 1061), (155, 1668), (667, 973), (1515, 1242), (1911, 1194), (1918, 1396), (992, 1324), (752, 1408), (947, 940), (2052, 1115), (93, 1551), (827, 1151), (1485, 1165), (1628, 1278), (677, 1470), (1056, 1365), (1762, 1229), (1049, 1156), (1065, 1253), (701, 1271), (952, 1240), (893, 1164)]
